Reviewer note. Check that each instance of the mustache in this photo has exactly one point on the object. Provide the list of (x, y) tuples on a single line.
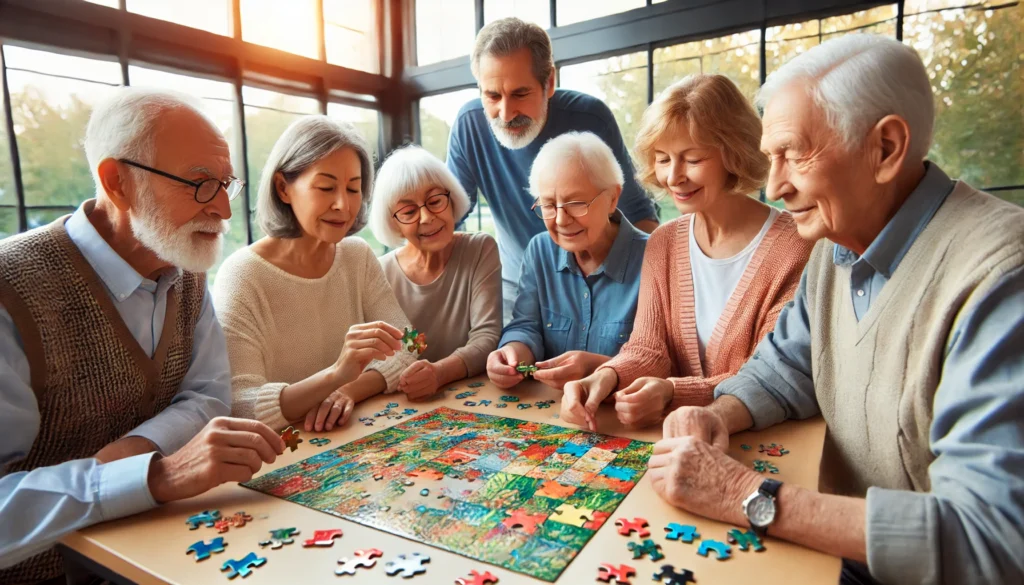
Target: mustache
[(209, 226), (520, 121)]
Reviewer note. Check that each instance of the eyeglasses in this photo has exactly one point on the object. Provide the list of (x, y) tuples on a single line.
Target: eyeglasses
[(435, 204), (573, 208), (206, 189)]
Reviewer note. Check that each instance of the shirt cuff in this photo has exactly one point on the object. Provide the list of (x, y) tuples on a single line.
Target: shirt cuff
[(764, 410), (268, 406), (899, 526), (391, 369), (123, 487), (525, 339)]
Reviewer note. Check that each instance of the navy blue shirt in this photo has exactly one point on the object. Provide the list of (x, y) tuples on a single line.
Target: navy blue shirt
[(559, 310)]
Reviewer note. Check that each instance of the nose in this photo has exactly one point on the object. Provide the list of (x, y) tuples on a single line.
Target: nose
[(562, 217), (220, 206), (506, 111), (778, 186), (426, 216), (676, 172), (340, 202)]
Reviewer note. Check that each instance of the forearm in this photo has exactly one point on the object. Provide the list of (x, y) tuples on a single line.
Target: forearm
[(299, 398), (594, 361), (124, 448), (450, 369), (830, 524), (735, 414), (369, 383)]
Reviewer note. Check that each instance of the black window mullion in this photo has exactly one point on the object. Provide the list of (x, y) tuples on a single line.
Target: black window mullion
[(12, 146)]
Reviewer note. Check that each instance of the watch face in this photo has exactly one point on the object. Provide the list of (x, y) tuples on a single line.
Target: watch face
[(761, 511)]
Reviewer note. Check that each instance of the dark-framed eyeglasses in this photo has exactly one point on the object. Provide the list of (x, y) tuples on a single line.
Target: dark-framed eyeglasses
[(573, 208), (409, 214), (206, 189)]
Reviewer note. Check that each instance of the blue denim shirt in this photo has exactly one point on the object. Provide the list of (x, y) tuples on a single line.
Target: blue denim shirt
[(559, 310)]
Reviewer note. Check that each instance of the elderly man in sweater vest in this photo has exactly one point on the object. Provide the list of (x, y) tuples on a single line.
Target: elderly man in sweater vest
[(113, 369), (905, 335)]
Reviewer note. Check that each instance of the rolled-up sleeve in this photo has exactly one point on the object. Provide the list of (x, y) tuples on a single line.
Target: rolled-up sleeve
[(968, 528)]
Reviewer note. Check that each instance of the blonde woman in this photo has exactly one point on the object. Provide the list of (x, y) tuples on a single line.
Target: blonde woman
[(715, 279)]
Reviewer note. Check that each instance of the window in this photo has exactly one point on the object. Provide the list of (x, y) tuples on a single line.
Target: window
[(573, 11), (52, 97), (288, 26), (445, 29), (110, 3), (349, 34), (620, 81), (8, 198), (536, 11), (366, 121), (209, 15), (973, 57), (737, 56), (782, 43)]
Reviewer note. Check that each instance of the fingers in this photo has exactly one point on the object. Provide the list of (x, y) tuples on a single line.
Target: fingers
[(254, 426), (322, 412), (720, 440), (346, 412), (555, 377), (633, 392), (311, 419), (252, 441), (378, 328), (373, 344), (241, 456), (234, 473)]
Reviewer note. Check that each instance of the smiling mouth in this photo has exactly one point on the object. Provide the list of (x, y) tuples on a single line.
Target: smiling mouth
[(572, 235), (685, 196), (334, 222), (433, 233)]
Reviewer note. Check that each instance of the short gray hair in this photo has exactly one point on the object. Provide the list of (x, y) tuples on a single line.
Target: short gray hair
[(859, 79), (305, 142), (508, 35), (585, 150), (407, 170)]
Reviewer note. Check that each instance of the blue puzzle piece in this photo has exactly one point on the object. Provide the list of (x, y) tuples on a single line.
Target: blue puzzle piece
[(524, 405), (484, 402), (619, 473), (409, 411), (469, 403), (745, 540), (721, 549), (502, 405), (463, 395), (574, 449), (543, 405), (392, 405), (207, 517), (244, 566), (683, 532), (319, 441), (647, 547), (203, 550), (475, 385), (509, 398)]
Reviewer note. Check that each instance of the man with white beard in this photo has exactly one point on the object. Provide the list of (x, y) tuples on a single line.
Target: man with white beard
[(496, 137), (114, 375)]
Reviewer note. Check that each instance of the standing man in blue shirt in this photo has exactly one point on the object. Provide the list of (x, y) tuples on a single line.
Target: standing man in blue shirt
[(114, 376), (496, 137)]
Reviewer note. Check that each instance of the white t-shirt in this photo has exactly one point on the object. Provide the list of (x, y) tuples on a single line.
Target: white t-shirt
[(714, 280)]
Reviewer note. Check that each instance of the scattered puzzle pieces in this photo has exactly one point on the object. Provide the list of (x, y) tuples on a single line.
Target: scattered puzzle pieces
[(319, 441), (239, 519), (669, 576), (574, 449), (475, 385), (203, 550), (509, 398), (683, 532), (407, 565), (365, 558), (647, 547), (524, 405), (721, 549), (291, 438), (469, 403), (243, 566), (745, 540), (484, 403), (568, 514), (762, 466), (773, 450), (543, 405), (279, 538), (476, 578), (207, 517), (526, 369), (323, 537), (463, 395), (409, 411), (628, 527), (523, 521), (621, 574), (222, 525), (501, 405)]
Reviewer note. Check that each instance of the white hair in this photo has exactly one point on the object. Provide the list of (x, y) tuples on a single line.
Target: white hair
[(407, 170), (585, 150), (123, 126), (859, 79)]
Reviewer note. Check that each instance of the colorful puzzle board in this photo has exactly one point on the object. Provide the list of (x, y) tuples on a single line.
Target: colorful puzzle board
[(521, 495)]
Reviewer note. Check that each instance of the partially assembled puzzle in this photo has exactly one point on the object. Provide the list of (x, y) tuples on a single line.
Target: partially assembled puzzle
[(521, 495)]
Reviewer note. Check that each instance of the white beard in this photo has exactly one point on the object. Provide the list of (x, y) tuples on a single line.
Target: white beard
[(516, 141), (178, 246)]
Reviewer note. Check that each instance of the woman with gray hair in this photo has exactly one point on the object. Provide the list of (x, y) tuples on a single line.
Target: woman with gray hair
[(448, 283), (312, 326), (580, 282)]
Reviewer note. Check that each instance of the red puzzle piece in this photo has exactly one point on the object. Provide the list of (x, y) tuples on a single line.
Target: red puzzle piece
[(426, 473), (291, 438), (477, 579), (555, 490), (599, 519), (638, 525), (621, 574), (526, 522), (323, 537), (222, 525), (238, 519)]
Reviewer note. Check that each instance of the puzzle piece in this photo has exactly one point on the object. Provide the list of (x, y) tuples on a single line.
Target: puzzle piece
[(365, 558), (524, 522), (526, 369), (319, 441), (476, 578), (483, 403), (721, 549), (469, 403), (203, 549), (243, 566), (463, 395), (745, 447), (762, 466), (568, 514), (683, 532), (621, 574), (414, 341), (669, 576), (323, 537), (599, 519), (542, 405), (475, 385), (745, 540), (524, 405), (628, 527), (407, 565), (426, 473), (619, 473), (555, 490), (207, 517), (451, 389), (279, 538), (509, 398), (409, 411), (772, 450), (574, 449), (291, 438), (647, 547), (222, 525), (501, 405), (239, 519)]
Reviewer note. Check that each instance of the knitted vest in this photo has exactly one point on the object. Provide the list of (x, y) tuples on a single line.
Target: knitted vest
[(875, 379), (92, 380)]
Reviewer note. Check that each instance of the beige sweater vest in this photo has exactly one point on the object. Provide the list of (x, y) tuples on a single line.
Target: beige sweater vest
[(875, 379)]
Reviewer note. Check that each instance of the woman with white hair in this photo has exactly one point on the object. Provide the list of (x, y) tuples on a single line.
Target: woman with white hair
[(311, 324), (579, 283), (448, 283)]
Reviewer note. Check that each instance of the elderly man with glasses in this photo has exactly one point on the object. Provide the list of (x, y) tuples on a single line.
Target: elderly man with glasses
[(114, 373), (580, 282)]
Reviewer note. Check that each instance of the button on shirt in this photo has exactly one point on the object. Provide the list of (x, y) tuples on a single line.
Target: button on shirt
[(40, 506), (559, 310)]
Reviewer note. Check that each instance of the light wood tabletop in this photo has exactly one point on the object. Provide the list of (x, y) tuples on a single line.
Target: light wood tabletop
[(150, 548)]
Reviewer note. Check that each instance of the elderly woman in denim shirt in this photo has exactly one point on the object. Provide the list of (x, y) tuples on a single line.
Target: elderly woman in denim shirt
[(580, 281)]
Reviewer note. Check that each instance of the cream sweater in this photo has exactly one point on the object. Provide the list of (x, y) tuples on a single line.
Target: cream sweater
[(282, 328)]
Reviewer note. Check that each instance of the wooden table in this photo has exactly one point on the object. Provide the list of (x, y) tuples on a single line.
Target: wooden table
[(150, 547)]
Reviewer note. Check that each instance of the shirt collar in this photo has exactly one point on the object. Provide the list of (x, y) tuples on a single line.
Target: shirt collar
[(614, 266), (888, 249), (116, 274)]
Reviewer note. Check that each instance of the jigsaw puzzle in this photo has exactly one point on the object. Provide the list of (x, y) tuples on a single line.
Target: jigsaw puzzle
[(363, 558), (525, 496)]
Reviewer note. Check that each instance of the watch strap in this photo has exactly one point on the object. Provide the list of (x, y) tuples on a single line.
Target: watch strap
[(770, 487)]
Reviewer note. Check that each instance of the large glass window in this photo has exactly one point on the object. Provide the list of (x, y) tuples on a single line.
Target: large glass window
[(573, 11), (289, 26), (445, 29), (349, 34), (782, 43), (536, 11), (8, 198), (619, 81), (209, 15), (366, 121), (737, 56)]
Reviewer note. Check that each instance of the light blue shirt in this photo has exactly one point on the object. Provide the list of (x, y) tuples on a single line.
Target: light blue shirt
[(559, 310), (39, 507), (967, 529)]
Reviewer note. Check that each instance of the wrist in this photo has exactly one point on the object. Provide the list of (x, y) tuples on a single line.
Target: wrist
[(157, 480), (607, 378), (747, 483)]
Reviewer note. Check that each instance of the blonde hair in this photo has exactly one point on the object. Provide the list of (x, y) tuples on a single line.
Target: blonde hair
[(717, 115)]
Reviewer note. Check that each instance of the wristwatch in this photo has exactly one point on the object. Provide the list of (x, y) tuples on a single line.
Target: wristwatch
[(760, 506)]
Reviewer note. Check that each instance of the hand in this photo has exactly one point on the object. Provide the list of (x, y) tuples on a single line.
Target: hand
[(333, 411), (581, 399), (420, 380), (643, 402), (501, 366), (698, 422), (227, 449), (700, 478), (125, 447), (568, 367), (364, 343)]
